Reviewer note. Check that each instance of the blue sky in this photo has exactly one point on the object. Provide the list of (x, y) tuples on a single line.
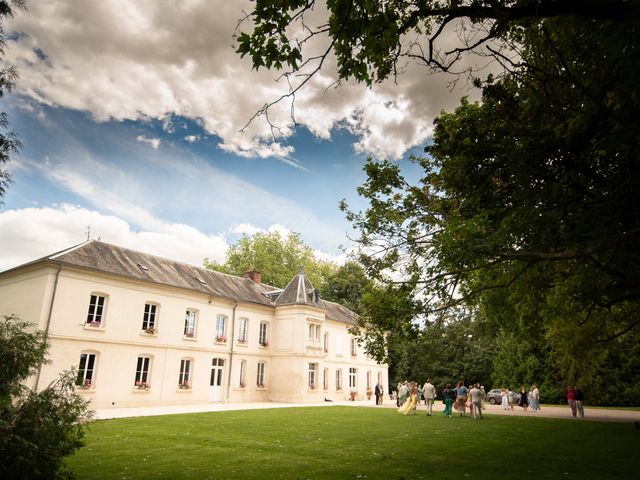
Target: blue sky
[(130, 117)]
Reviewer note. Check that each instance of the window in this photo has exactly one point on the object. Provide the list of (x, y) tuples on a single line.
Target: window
[(354, 347), (368, 379), (262, 337), (96, 310), (142, 373), (242, 381), (260, 376), (353, 375), (243, 329), (190, 323), (149, 317), (313, 373), (339, 379), (325, 379), (221, 328), (326, 342), (314, 332), (184, 378), (86, 369)]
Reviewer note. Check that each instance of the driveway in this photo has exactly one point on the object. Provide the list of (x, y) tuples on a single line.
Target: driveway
[(594, 414), (549, 411)]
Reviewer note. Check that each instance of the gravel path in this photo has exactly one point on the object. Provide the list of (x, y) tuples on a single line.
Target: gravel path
[(595, 414), (556, 411)]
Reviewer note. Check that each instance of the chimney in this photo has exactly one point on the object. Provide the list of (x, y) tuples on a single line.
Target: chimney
[(254, 275)]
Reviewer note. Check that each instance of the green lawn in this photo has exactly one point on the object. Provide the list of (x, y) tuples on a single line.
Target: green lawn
[(354, 443)]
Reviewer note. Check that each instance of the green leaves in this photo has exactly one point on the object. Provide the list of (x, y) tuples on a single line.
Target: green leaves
[(37, 428), (278, 258)]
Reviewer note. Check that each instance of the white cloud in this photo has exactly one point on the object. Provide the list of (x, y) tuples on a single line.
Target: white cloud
[(191, 138), (152, 142), (31, 233), (246, 229), (149, 59)]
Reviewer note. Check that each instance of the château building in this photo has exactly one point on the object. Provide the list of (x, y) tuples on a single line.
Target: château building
[(142, 330)]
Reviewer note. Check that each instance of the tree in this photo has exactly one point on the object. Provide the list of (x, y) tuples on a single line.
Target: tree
[(37, 429), (371, 40), (346, 285), (533, 190), (9, 141), (278, 258)]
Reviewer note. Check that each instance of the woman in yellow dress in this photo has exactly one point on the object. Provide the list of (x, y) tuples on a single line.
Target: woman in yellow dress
[(411, 403)]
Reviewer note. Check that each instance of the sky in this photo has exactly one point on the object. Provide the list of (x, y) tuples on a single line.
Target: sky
[(135, 119)]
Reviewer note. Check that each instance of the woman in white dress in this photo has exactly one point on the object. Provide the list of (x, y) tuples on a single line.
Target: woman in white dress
[(505, 398)]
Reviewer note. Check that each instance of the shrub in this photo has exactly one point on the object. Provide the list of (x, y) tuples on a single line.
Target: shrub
[(37, 428)]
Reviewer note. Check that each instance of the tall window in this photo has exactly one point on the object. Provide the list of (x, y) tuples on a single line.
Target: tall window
[(368, 379), (325, 379), (260, 376), (142, 372), (263, 339), (221, 328), (184, 379), (149, 317), (313, 376), (242, 381), (96, 310), (339, 379), (243, 330), (354, 347), (314, 332), (353, 375), (190, 323), (86, 369), (326, 342)]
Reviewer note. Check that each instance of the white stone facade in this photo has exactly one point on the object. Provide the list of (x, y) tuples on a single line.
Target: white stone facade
[(138, 342)]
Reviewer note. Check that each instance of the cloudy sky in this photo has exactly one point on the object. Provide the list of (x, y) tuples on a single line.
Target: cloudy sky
[(132, 115)]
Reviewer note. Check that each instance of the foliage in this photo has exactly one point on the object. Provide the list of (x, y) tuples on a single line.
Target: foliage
[(385, 323), (22, 351), (373, 40), (452, 349), (529, 196), (9, 141), (37, 428), (278, 258), (369, 38), (338, 442), (346, 285)]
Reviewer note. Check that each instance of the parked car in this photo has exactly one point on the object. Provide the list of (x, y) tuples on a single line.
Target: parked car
[(494, 396)]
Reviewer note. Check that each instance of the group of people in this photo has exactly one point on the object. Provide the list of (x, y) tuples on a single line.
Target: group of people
[(409, 395), (575, 399), (463, 398), (530, 398)]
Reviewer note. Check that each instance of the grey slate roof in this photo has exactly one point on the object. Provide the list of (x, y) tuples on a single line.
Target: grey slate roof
[(110, 259), (299, 292)]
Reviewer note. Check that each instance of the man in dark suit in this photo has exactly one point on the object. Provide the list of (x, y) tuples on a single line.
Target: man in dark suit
[(378, 392)]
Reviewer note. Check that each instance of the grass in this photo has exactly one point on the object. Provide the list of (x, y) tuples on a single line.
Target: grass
[(353, 443)]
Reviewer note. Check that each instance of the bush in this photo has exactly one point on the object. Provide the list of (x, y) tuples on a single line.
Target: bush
[(37, 429)]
